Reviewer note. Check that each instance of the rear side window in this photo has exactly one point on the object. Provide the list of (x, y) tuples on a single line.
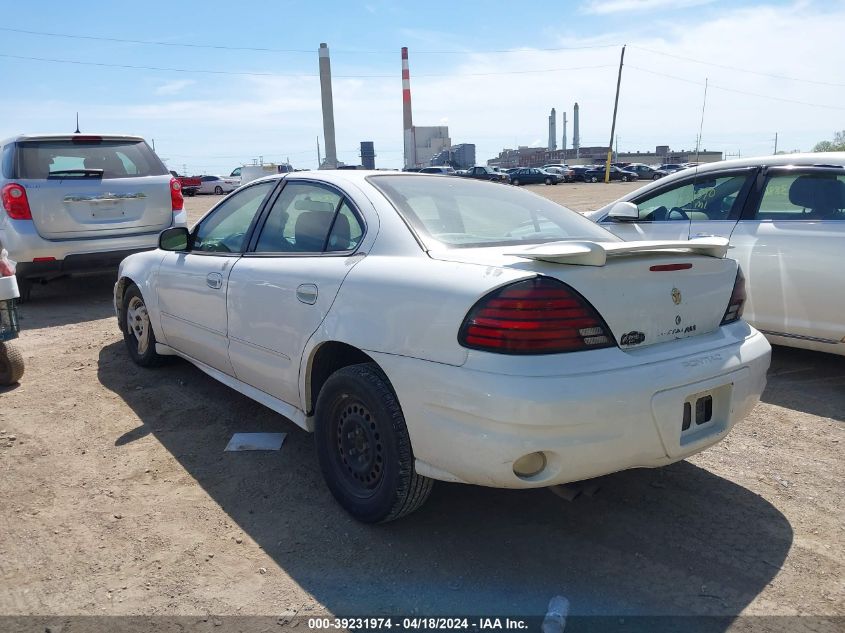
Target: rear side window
[(8, 161), (71, 158), (818, 196)]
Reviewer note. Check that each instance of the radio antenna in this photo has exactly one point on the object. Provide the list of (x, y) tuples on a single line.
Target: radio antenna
[(701, 124), (77, 123)]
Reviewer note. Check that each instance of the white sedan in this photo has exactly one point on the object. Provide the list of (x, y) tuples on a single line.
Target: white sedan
[(785, 217), (431, 327), (218, 184)]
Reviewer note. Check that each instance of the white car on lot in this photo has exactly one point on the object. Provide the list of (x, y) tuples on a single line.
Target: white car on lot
[(219, 184), (80, 203), (785, 217), (432, 327)]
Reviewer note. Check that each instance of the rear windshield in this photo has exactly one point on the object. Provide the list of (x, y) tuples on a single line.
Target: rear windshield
[(74, 158), (462, 213)]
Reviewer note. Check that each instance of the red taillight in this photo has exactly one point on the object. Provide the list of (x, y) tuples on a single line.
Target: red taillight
[(664, 268), (15, 202), (535, 316), (176, 199), (737, 302)]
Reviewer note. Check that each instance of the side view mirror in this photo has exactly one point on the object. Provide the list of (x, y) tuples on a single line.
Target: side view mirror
[(174, 239), (624, 211)]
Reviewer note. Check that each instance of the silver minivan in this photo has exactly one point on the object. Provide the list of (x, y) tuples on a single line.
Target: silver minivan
[(80, 203)]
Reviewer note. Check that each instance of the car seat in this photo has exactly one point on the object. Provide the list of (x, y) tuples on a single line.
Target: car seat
[(823, 196), (311, 229)]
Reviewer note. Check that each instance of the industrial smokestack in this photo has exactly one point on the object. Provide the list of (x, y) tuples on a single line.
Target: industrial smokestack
[(407, 122), (552, 131), (328, 108), (563, 140), (576, 138)]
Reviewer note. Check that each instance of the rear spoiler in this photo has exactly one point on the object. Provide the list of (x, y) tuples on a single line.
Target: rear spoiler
[(596, 253)]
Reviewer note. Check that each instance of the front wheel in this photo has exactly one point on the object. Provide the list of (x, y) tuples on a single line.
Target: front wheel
[(594, 179), (363, 446), (137, 332), (624, 178), (11, 364), (656, 177), (515, 182)]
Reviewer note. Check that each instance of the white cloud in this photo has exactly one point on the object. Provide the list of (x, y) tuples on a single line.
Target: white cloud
[(174, 87), (607, 7)]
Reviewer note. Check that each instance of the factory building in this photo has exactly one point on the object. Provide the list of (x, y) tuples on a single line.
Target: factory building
[(461, 156), (539, 156)]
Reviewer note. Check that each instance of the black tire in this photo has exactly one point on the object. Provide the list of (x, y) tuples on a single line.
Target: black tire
[(11, 364), (363, 446), (218, 190), (515, 182), (624, 178), (548, 181), (655, 177), (594, 179), (138, 333)]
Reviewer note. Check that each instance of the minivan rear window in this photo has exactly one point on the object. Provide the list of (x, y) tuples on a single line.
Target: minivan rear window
[(68, 158)]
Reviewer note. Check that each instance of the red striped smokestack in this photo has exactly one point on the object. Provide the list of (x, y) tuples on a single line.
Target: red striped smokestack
[(407, 122)]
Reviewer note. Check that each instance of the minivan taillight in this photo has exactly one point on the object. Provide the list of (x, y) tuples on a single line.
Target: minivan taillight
[(535, 316), (15, 202), (176, 199), (737, 301)]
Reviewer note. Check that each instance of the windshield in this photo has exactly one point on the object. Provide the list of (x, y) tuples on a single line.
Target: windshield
[(462, 213)]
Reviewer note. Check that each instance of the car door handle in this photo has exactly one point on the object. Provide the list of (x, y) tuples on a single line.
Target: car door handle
[(214, 280), (307, 293)]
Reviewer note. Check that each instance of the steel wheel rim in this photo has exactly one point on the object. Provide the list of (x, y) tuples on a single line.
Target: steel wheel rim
[(358, 447), (138, 323)]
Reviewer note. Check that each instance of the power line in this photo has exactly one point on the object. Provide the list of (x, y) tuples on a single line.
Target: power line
[(55, 60), (737, 68), (742, 92), (263, 49)]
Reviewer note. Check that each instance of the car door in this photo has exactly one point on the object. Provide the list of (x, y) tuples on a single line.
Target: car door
[(282, 289), (192, 285), (701, 205), (789, 242)]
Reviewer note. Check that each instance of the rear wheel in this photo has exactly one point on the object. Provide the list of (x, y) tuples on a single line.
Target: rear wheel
[(218, 190), (594, 179), (363, 446), (624, 178), (137, 332), (24, 289), (548, 181), (11, 364)]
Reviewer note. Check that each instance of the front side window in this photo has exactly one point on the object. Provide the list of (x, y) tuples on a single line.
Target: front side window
[(226, 228), (459, 213), (818, 196), (703, 198), (308, 218)]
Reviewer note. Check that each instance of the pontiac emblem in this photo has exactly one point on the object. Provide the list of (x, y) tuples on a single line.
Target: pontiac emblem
[(676, 296)]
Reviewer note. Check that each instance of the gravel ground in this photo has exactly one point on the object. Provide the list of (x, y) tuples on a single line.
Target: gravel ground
[(118, 499)]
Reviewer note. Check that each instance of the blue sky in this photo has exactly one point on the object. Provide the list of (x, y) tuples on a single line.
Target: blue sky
[(211, 122)]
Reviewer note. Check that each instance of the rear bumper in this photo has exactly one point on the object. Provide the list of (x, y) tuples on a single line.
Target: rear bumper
[(40, 257), (76, 264), (471, 426)]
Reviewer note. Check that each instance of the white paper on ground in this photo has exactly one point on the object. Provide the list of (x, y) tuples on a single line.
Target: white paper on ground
[(256, 442)]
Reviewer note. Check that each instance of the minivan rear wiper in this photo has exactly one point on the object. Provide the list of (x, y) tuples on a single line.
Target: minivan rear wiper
[(76, 173)]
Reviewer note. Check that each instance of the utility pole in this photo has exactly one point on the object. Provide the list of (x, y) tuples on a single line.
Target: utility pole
[(319, 160), (776, 143), (613, 125)]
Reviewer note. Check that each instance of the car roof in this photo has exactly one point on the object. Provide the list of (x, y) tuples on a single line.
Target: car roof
[(65, 137)]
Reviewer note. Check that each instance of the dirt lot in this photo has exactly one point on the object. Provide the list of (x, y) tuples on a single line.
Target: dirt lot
[(117, 498)]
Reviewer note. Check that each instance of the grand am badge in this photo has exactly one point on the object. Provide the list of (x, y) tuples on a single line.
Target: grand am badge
[(676, 296), (632, 338)]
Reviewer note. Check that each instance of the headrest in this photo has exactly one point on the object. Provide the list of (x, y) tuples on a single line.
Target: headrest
[(307, 204), (339, 239), (817, 192), (311, 229)]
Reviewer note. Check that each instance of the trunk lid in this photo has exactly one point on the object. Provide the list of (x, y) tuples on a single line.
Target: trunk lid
[(86, 187), (645, 296)]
